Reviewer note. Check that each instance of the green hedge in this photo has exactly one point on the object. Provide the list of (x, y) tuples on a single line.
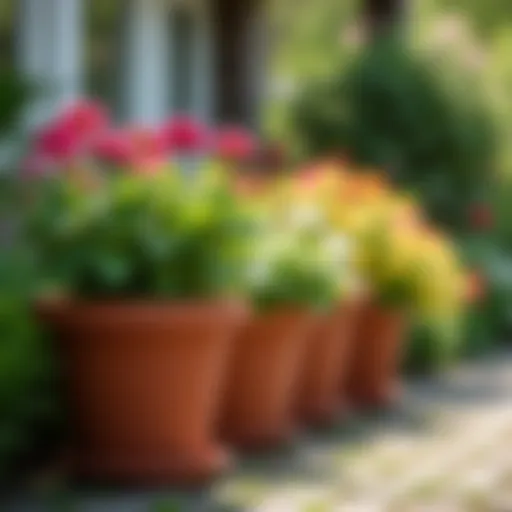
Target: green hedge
[(392, 107), (28, 405)]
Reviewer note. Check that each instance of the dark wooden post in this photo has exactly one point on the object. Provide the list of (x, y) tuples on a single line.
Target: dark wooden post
[(382, 16), (232, 20)]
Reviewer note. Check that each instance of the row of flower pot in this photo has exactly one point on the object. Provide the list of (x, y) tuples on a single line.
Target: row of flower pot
[(162, 393), (163, 372)]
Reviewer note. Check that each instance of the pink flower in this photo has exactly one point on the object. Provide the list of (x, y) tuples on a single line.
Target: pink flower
[(234, 143), (56, 141), (148, 147), (86, 120), (185, 134), (142, 149), (114, 147), (71, 134)]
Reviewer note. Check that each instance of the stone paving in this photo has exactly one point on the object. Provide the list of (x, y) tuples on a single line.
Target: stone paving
[(447, 447)]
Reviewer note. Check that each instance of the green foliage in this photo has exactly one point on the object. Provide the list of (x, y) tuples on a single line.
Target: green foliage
[(394, 109), (432, 347), (166, 505), (141, 236), (293, 280), (305, 42), (490, 320), (15, 93), (487, 17), (28, 406), (502, 205), (296, 261)]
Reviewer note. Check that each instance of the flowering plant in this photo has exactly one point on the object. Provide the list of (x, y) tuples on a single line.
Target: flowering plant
[(297, 258), (401, 258), (109, 217)]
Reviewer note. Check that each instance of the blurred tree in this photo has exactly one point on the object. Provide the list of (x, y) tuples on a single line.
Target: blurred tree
[(489, 17), (395, 109)]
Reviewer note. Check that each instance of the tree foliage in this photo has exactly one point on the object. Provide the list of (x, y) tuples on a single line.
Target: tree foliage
[(392, 108)]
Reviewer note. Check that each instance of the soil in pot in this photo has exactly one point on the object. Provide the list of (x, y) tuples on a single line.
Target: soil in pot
[(259, 408), (373, 378), (145, 383), (325, 367)]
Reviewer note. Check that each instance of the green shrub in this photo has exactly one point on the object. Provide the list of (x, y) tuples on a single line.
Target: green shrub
[(393, 108), (28, 406), (431, 347), (15, 93), (134, 235)]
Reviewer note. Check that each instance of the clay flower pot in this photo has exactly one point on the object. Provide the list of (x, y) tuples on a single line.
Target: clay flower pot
[(325, 366), (144, 384), (259, 407), (373, 378)]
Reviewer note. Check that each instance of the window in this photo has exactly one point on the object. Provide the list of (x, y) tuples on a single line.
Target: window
[(104, 53), (182, 31)]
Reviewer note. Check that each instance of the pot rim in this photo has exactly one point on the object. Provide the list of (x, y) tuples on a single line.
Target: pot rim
[(141, 310)]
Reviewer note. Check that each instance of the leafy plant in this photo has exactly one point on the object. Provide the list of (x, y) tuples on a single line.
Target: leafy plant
[(29, 412), (140, 236), (297, 260), (15, 92), (108, 217), (394, 109)]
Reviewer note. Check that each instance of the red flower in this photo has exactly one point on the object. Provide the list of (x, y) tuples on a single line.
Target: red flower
[(476, 287), (185, 134), (71, 134), (139, 148), (234, 143), (481, 217), (149, 150), (85, 119), (56, 141), (114, 147)]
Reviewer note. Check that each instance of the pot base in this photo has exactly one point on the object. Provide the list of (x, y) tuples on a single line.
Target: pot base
[(174, 469), (320, 414), (262, 440), (382, 398)]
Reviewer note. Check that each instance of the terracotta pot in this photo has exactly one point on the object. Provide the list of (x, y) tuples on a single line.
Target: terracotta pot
[(325, 366), (259, 408), (373, 377), (145, 382)]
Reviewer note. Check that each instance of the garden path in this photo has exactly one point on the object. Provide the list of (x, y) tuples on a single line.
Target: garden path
[(447, 447)]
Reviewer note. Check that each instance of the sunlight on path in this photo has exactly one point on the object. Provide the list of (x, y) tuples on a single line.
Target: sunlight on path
[(456, 457)]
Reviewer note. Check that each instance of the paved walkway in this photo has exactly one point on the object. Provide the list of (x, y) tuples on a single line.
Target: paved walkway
[(448, 447)]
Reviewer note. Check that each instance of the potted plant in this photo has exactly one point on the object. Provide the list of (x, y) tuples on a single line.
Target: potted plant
[(414, 274), (322, 186), (144, 260), (292, 282), (326, 365)]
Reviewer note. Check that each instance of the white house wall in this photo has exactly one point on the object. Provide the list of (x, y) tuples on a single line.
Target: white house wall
[(50, 53), (148, 57), (52, 44)]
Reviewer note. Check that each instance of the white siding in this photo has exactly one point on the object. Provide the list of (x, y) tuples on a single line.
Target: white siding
[(52, 45), (147, 59), (51, 52)]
